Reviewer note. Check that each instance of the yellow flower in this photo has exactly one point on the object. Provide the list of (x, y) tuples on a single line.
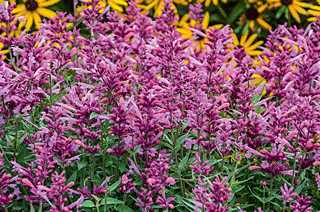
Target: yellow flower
[(314, 12), (31, 11), (248, 44), (196, 31), (296, 7), (158, 6), (208, 2), (254, 15), (117, 5), (101, 4)]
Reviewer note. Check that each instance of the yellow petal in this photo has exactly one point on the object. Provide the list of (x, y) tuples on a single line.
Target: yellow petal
[(21, 15), (217, 26), (314, 7), (254, 53), (314, 13), (206, 19), (6, 51), (115, 7), (48, 3), (254, 46), (262, 8), (300, 10), (160, 8), (153, 4), (21, 25), (183, 20), (258, 79), (29, 21), (243, 39), (207, 3), (185, 33), (235, 39), (37, 20), (294, 14), (304, 4), (312, 19), (264, 24), (19, 8), (251, 25), (46, 12), (251, 39), (183, 2), (120, 2)]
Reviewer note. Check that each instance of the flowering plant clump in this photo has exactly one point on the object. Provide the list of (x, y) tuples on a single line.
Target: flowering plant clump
[(119, 112)]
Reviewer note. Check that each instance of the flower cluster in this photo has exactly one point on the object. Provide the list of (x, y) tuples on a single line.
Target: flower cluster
[(212, 197), (120, 112)]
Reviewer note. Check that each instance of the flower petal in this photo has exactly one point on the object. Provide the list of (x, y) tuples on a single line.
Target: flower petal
[(264, 24), (46, 12), (37, 20), (206, 19), (19, 8), (48, 3), (294, 13), (29, 22), (250, 40)]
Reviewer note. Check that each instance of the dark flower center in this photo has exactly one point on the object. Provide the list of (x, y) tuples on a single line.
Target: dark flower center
[(286, 2), (31, 5), (252, 13)]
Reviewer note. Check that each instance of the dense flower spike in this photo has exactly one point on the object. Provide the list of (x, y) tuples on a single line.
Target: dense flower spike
[(212, 197)]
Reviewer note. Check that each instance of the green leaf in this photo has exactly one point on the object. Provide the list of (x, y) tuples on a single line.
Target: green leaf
[(81, 164), (188, 203), (256, 98), (237, 189), (114, 186), (183, 163), (216, 18), (262, 200), (236, 12), (88, 204), (73, 177), (243, 181), (180, 141), (124, 208), (287, 15), (280, 12), (93, 115), (259, 109), (300, 187), (111, 201), (245, 29)]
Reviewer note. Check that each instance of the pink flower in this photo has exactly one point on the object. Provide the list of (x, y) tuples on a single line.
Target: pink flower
[(287, 193)]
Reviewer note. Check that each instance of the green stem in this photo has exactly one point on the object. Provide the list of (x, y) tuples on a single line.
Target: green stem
[(294, 170), (223, 13)]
